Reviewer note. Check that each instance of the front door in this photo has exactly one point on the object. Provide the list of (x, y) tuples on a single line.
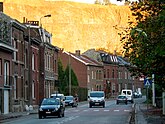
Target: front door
[(6, 101)]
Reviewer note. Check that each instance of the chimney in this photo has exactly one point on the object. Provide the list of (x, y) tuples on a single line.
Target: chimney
[(77, 52), (1, 6), (114, 52)]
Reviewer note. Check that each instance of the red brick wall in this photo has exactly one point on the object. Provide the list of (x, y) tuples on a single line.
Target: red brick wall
[(79, 68)]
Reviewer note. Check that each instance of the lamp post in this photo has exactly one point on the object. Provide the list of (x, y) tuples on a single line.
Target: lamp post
[(49, 15)]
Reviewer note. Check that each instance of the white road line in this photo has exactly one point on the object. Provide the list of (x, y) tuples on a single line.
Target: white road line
[(116, 110), (106, 110), (96, 110), (86, 110), (126, 110)]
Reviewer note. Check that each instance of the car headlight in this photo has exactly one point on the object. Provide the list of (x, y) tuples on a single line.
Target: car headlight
[(40, 109), (56, 109)]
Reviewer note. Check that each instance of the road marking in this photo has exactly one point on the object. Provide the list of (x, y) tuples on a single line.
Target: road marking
[(116, 110), (126, 110), (86, 110), (76, 110), (96, 110), (106, 110)]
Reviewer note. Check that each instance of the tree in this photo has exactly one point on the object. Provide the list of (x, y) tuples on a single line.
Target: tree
[(144, 41), (63, 77), (74, 81)]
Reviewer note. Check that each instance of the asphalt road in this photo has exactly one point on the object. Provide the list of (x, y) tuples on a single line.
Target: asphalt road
[(111, 114)]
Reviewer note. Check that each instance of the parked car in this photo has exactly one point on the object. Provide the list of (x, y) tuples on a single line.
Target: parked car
[(51, 107), (121, 99), (96, 98), (70, 101), (60, 96), (137, 94), (129, 94)]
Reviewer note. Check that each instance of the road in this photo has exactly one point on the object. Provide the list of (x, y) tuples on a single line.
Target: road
[(111, 114)]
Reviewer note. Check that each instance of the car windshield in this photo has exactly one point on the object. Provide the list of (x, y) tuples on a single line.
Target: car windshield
[(50, 102), (121, 97), (69, 97), (56, 97), (96, 94)]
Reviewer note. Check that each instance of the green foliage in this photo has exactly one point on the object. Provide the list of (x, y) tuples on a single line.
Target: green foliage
[(145, 44), (63, 77), (74, 81)]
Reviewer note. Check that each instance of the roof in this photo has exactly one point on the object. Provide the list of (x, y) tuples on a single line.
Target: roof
[(84, 59), (122, 61)]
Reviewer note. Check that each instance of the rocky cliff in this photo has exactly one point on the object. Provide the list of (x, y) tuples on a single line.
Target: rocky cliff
[(74, 25)]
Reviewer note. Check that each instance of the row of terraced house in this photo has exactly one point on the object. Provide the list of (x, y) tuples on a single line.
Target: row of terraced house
[(29, 66)]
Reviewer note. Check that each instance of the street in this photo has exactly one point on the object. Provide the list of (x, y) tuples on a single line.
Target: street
[(111, 114)]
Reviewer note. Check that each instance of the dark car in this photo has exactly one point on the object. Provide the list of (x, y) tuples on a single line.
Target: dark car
[(121, 99), (51, 107), (71, 101)]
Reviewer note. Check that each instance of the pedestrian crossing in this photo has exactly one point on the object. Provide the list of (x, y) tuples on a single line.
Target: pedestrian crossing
[(98, 110)]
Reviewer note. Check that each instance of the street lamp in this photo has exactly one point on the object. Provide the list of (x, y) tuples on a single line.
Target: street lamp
[(49, 15)]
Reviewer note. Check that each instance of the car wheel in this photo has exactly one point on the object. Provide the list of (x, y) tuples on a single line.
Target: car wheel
[(40, 116), (117, 103), (103, 105), (126, 103), (63, 115), (90, 106), (59, 115)]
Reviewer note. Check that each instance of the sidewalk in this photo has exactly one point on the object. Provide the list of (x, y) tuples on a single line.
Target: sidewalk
[(148, 115), (17, 114)]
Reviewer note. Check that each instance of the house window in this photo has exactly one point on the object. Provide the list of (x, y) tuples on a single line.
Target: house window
[(6, 73), (26, 90), (33, 90), (15, 53), (55, 65), (99, 74), (92, 75), (0, 66), (88, 78), (15, 87), (119, 74), (113, 73), (108, 73), (125, 75), (33, 61)]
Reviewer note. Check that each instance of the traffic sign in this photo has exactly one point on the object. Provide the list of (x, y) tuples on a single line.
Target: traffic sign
[(147, 82)]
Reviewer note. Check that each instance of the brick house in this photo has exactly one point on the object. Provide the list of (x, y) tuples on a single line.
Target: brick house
[(43, 67), (6, 53), (116, 73), (110, 71), (126, 81), (18, 31), (88, 71), (48, 66)]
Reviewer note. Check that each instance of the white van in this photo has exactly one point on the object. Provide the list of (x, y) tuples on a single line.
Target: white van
[(128, 94), (96, 98)]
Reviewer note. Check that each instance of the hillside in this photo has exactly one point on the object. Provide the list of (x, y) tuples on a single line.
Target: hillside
[(74, 25)]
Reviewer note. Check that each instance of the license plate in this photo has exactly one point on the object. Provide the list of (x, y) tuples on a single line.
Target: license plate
[(96, 103), (48, 112)]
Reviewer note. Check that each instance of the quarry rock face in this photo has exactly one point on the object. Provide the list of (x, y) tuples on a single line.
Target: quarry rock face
[(74, 25)]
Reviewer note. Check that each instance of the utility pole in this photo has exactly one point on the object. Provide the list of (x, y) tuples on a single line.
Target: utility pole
[(153, 90), (69, 75)]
